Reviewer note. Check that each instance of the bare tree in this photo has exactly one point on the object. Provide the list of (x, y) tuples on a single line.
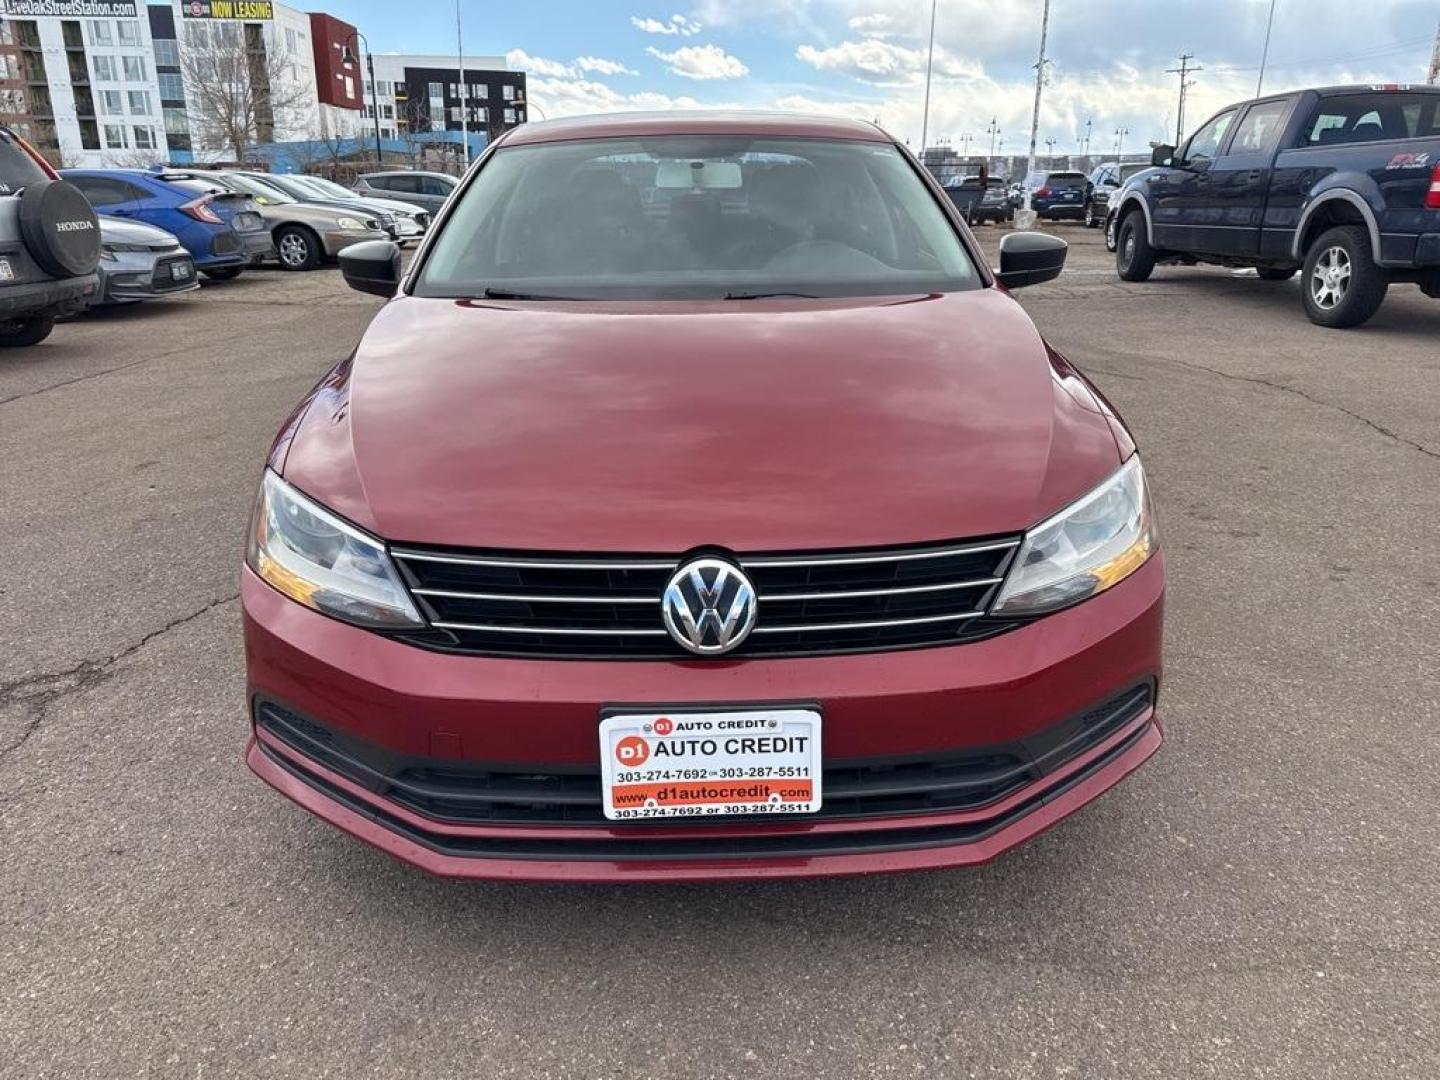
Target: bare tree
[(413, 126), (238, 90)]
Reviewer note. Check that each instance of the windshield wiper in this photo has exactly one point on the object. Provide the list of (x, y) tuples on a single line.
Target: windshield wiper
[(767, 295), (506, 294)]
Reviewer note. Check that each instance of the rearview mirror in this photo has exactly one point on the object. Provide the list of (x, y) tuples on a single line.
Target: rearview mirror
[(372, 267), (1162, 155), (1029, 258)]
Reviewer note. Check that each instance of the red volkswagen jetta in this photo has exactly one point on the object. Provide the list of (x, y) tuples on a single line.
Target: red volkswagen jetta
[(701, 506)]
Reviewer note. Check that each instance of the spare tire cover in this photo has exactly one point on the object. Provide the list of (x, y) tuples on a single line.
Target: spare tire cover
[(60, 229)]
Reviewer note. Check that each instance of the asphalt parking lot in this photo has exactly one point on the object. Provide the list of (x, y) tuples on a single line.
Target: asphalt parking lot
[(1259, 901)]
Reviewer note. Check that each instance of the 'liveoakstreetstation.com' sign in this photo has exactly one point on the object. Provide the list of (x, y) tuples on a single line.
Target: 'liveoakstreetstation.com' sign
[(69, 9), (238, 10)]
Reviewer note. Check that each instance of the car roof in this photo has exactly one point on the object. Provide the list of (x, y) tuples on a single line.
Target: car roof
[(695, 122), (406, 172)]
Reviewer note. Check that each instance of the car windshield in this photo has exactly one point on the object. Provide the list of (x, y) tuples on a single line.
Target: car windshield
[(1127, 171), (1065, 180), (320, 186), (675, 217), (257, 188)]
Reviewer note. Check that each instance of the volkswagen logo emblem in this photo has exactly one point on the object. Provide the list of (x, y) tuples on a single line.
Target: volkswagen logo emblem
[(709, 606)]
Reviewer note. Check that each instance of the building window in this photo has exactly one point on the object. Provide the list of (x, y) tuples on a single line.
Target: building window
[(134, 68), (104, 68), (437, 90), (139, 103), (507, 92), (349, 87), (481, 91), (368, 113), (387, 133), (167, 52), (509, 116), (115, 136), (382, 87), (70, 34), (129, 32), (111, 103), (172, 87), (144, 138), (89, 135), (100, 32), (387, 112), (176, 122)]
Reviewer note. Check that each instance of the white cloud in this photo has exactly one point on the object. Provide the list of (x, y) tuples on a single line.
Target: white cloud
[(579, 97), (701, 62), (520, 60), (598, 65), (885, 62), (673, 26), (877, 25)]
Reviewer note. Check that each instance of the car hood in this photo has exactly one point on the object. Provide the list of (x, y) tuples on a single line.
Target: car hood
[(118, 231), (750, 425)]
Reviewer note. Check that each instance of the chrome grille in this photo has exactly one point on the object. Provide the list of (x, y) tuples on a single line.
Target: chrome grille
[(809, 604)]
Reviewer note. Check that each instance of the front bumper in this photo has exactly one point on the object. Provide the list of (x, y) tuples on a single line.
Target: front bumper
[(135, 276), (335, 242), (400, 702)]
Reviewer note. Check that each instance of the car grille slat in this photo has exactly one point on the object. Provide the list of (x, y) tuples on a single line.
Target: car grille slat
[(513, 604)]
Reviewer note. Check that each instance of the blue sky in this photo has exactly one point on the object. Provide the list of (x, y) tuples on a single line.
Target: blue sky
[(866, 57)]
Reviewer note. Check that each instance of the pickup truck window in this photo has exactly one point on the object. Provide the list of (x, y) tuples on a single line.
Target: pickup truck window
[(1259, 131), (1372, 117), (1206, 142)]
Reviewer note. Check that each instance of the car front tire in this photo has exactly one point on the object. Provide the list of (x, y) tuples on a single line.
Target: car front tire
[(1342, 286), (1134, 257), (22, 333)]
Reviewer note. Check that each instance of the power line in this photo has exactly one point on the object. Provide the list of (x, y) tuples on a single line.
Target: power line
[(1184, 71)]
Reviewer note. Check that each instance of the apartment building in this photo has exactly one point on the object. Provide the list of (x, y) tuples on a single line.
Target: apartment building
[(418, 94), (83, 72)]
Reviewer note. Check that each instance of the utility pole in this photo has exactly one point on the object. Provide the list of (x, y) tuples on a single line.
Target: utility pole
[(1265, 52), (929, 67), (1184, 71), (1039, 83), (1435, 61), (464, 107)]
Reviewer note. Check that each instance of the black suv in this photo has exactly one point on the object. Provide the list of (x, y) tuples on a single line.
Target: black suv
[(1342, 183), (49, 245), (1103, 182)]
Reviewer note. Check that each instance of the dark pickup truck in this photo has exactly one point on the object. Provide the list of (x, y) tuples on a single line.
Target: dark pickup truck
[(1341, 183)]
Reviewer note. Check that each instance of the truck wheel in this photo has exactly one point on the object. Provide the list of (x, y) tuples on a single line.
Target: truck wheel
[(1268, 273), (22, 332), (1134, 257), (1343, 286)]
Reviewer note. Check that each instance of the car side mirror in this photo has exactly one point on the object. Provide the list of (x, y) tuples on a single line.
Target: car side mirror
[(1029, 258), (372, 267), (1162, 155)]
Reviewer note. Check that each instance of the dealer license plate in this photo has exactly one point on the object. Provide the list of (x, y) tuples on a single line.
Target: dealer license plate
[(705, 764)]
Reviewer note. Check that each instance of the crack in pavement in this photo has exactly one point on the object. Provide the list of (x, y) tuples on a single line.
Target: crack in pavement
[(37, 693), (1285, 388), (77, 379)]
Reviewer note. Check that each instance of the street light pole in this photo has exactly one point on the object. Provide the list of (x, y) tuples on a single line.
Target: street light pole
[(1120, 134), (464, 110), (929, 67), (1265, 53), (347, 57)]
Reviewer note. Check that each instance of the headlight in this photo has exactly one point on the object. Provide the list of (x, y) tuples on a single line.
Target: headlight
[(107, 252), (313, 557), (1089, 546), (350, 224)]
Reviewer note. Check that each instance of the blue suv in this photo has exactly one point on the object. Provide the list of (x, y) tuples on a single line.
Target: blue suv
[(222, 230)]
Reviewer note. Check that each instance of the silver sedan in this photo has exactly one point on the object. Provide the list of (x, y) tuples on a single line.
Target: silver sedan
[(140, 262)]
